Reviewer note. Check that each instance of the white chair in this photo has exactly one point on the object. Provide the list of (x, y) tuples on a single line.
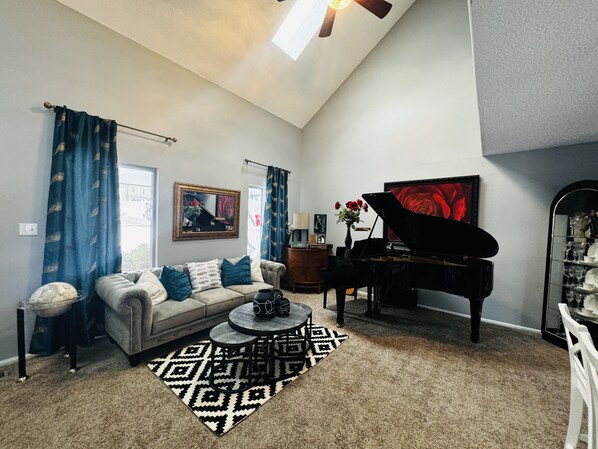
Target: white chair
[(590, 360), (580, 393)]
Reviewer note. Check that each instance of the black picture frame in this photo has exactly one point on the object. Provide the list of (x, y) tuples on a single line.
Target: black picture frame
[(320, 223), (320, 226)]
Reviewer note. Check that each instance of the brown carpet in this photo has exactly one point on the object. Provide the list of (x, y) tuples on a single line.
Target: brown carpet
[(408, 379)]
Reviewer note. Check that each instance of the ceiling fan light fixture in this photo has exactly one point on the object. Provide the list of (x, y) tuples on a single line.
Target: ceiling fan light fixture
[(338, 4)]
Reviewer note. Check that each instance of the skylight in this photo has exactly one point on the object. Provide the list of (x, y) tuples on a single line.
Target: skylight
[(300, 26)]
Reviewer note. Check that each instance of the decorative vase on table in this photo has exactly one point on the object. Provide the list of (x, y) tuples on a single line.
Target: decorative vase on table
[(350, 215), (284, 307), (348, 241), (264, 304)]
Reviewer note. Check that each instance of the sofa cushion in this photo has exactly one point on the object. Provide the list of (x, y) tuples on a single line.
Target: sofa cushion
[(171, 314), (152, 285), (218, 299), (248, 291), (236, 273), (256, 269), (204, 275), (176, 283)]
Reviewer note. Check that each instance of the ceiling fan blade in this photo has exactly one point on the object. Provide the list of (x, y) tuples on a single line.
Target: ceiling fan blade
[(326, 29), (377, 7)]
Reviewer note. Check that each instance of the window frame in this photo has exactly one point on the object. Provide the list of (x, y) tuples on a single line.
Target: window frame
[(154, 208), (262, 188)]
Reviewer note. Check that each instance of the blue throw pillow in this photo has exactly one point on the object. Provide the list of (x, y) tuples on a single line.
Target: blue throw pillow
[(176, 283), (236, 274)]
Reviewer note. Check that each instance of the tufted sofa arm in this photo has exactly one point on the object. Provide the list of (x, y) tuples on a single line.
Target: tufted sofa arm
[(272, 272), (126, 298)]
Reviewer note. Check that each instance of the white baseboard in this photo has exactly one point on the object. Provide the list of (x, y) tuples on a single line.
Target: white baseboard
[(13, 360), (485, 320), (363, 294)]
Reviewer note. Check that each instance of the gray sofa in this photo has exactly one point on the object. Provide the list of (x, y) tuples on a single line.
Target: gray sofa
[(137, 325)]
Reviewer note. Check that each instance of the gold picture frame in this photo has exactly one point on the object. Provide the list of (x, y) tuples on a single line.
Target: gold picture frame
[(202, 212)]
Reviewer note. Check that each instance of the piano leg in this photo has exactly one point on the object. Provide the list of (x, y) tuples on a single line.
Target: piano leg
[(475, 307), (341, 293), (373, 304)]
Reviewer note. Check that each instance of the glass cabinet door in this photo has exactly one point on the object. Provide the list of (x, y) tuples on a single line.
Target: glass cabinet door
[(572, 260)]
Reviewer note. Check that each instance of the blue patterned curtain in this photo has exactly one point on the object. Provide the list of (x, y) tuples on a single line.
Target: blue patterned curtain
[(83, 219), (276, 214)]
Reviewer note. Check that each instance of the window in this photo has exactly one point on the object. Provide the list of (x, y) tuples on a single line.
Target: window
[(300, 26), (255, 207), (137, 216)]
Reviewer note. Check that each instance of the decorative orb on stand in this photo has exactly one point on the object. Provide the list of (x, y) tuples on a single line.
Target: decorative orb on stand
[(52, 299)]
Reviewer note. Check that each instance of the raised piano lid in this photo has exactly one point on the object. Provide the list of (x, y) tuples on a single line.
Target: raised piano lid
[(427, 234)]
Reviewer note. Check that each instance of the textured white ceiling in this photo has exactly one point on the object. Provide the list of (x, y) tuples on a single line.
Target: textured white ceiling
[(229, 43), (536, 65)]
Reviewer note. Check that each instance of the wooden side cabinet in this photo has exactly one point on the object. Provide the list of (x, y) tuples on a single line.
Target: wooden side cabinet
[(304, 266)]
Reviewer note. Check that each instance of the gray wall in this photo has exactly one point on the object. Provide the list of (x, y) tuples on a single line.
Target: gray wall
[(409, 111), (50, 53)]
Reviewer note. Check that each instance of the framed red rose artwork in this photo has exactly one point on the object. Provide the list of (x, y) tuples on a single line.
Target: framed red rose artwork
[(451, 198)]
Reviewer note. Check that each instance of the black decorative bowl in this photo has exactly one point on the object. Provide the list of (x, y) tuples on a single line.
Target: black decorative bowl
[(284, 307), (264, 304), (277, 294)]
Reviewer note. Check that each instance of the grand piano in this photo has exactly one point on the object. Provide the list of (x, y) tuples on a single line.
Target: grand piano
[(440, 254)]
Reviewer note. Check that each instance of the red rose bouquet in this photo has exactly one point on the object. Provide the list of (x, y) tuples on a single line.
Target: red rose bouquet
[(350, 213), (193, 208)]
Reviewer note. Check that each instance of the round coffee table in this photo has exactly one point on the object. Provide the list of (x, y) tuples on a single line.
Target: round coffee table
[(275, 330)]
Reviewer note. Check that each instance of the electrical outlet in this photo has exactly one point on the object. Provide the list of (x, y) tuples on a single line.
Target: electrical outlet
[(27, 228)]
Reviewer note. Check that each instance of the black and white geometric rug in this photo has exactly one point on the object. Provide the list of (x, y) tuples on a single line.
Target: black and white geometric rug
[(186, 373)]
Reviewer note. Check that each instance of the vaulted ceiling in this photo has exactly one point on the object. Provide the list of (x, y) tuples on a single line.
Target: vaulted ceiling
[(535, 60), (230, 44)]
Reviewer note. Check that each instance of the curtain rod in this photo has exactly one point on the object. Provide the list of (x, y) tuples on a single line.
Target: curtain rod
[(247, 161), (49, 105)]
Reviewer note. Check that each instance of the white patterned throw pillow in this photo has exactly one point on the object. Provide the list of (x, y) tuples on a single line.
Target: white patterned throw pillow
[(256, 270), (152, 285), (204, 275)]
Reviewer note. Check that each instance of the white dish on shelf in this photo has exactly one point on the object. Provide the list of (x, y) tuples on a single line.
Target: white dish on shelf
[(593, 250), (590, 302), (587, 313), (592, 276)]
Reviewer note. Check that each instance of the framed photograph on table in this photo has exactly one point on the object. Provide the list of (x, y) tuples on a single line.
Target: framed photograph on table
[(320, 227), (452, 198), (202, 212)]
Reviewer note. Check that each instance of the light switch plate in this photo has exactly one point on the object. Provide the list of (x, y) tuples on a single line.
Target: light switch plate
[(27, 228)]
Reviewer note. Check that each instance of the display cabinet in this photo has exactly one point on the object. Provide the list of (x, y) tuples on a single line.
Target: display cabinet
[(572, 260)]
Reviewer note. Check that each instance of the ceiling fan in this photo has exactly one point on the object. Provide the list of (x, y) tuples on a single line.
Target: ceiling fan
[(379, 8)]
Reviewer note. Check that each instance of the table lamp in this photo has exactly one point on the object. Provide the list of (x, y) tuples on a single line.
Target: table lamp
[(300, 230)]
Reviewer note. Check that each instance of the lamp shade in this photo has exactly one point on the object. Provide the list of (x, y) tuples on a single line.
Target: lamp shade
[(301, 221)]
